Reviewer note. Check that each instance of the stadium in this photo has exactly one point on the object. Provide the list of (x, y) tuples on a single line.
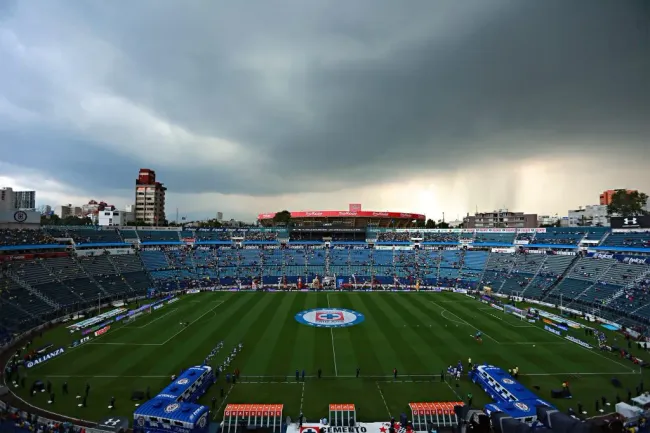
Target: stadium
[(195, 330)]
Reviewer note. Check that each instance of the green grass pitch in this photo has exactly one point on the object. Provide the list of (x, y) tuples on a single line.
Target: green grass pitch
[(420, 334)]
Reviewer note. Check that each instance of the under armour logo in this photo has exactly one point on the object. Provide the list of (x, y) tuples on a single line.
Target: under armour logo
[(111, 422), (629, 221)]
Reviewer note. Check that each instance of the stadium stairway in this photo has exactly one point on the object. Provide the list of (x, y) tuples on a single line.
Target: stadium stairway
[(18, 282), (558, 266)]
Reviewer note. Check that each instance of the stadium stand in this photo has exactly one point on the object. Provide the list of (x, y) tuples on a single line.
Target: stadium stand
[(25, 237), (560, 236), (38, 286), (495, 238), (629, 240)]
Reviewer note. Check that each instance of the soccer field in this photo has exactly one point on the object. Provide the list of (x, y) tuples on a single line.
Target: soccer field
[(419, 334)]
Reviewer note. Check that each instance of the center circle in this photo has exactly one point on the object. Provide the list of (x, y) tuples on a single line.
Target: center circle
[(329, 317)]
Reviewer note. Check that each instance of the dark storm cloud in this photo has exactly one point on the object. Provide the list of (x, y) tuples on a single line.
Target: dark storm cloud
[(322, 95)]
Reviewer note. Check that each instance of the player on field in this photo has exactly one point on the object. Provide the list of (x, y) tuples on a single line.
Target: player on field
[(477, 337)]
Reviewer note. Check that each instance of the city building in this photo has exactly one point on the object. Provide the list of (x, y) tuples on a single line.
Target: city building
[(501, 218), (7, 199), (219, 216), (68, 210), (149, 198), (589, 216), (25, 200), (606, 196), (547, 220), (112, 217)]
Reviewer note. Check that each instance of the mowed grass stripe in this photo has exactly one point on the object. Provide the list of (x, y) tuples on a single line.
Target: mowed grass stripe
[(342, 339), (88, 359), (434, 333), (402, 354), (304, 355), (367, 343), (280, 340), (162, 360), (415, 331), (196, 342), (248, 329), (385, 347)]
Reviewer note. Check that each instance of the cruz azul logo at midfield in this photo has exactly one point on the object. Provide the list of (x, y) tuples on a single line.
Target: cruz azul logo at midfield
[(329, 317)]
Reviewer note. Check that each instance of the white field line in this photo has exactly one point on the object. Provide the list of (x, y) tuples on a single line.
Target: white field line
[(336, 370), (593, 351), (454, 391), (192, 322), (302, 396), (505, 322), (383, 399), (223, 402), (153, 321), (461, 321)]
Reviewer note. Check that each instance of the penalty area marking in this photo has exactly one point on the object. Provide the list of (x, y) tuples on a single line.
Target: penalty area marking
[(219, 303), (153, 321), (505, 321), (461, 321)]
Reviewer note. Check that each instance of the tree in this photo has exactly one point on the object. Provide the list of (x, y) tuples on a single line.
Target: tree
[(282, 217), (213, 223), (627, 204), (443, 225), (431, 224), (419, 224)]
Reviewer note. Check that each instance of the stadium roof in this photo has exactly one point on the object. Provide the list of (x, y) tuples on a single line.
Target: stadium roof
[(347, 214)]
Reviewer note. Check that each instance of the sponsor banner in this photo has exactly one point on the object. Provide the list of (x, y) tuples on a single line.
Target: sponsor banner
[(621, 258), (503, 250), (101, 252), (79, 342), (557, 325), (104, 330), (513, 310), (192, 291), (344, 214), (460, 291), (498, 307), (553, 330), (171, 301), (634, 222), (95, 328), (44, 358), (359, 427), (156, 307), (8, 258), (558, 319), (579, 342), (522, 241)]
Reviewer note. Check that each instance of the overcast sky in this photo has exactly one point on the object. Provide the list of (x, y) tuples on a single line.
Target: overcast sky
[(256, 106)]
